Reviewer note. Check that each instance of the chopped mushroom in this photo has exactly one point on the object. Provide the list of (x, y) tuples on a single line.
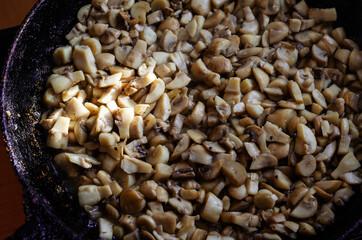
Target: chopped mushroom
[(244, 114)]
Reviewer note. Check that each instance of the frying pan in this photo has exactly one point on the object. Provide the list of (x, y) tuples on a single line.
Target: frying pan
[(50, 202)]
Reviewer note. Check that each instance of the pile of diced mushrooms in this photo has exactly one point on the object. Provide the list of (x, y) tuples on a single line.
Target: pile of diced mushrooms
[(207, 119)]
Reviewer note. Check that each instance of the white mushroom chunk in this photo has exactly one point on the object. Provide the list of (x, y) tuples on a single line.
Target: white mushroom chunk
[(59, 83), (103, 122), (168, 41), (84, 60), (223, 108), (58, 134), (212, 208), (263, 160), (158, 154), (348, 163), (181, 205), (63, 55), (137, 55), (91, 194), (156, 91), (180, 61), (201, 73), (139, 11), (305, 142), (133, 165), (105, 229), (199, 154), (261, 77), (181, 80), (75, 109), (110, 80), (83, 160), (163, 108), (275, 134), (123, 120), (306, 208)]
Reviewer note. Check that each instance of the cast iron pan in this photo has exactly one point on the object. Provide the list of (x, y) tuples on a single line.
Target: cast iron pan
[(50, 204)]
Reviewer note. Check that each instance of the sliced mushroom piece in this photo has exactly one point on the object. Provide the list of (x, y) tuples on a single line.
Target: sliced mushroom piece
[(76, 110), (214, 19), (156, 91), (306, 208), (327, 153), (274, 134), (139, 11), (91, 194), (201, 73), (123, 120), (352, 178), (234, 172), (342, 196), (136, 148), (65, 165), (198, 154), (181, 205), (179, 59), (281, 180), (181, 146), (137, 55), (163, 108), (179, 104), (279, 150), (265, 199), (181, 80), (159, 154), (168, 41), (84, 60), (306, 166), (196, 135), (223, 108), (132, 202), (329, 186), (196, 115), (58, 134), (218, 64), (305, 79), (201, 7), (261, 77), (347, 164), (165, 219), (212, 208), (214, 147), (263, 160), (209, 172), (305, 143), (133, 165)]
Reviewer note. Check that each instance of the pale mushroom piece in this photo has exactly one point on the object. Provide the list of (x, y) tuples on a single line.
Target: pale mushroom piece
[(265, 199), (281, 180), (306, 208), (181, 146), (158, 154), (306, 166), (92, 194), (133, 165), (275, 134), (123, 120), (179, 59), (103, 122), (196, 115), (305, 142), (181, 80), (234, 172), (352, 178), (263, 160), (163, 107), (136, 148), (197, 135), (76, 110), (212, 208), (58, 134), (201, 73), (105, 60), (156, 91), (84, 60), (198, 154), (105, 228), (342, 196), (181, 205), (168, 41), (306, 229), (348, 163), (137, 55)]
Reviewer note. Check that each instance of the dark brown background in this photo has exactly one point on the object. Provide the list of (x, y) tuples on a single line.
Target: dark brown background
[(12, 216)]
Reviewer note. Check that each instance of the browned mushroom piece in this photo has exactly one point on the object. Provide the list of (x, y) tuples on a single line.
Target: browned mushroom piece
[(132, 202), (234, 172)]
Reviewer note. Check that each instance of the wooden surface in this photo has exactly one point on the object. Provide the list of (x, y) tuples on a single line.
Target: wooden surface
[(12, 13)]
